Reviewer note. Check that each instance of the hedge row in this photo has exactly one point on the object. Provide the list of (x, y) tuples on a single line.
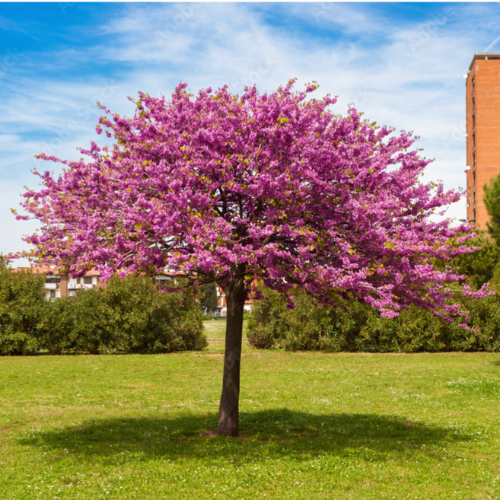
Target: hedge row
[(128, 316), (361, 329)]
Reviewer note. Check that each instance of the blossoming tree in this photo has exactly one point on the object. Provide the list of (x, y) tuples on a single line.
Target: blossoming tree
[(270, 187)]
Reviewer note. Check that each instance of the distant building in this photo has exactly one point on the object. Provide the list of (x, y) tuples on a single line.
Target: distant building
[(222, 302), (483, 130), (61, 285)]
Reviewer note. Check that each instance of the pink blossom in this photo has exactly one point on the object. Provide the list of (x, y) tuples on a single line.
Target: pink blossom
[(272, 187)]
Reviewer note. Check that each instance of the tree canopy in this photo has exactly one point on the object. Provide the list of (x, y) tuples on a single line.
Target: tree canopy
[(273, 187), (209, 297), (267, 186)]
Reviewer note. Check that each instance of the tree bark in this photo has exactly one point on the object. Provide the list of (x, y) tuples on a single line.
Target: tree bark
[(228, 411)]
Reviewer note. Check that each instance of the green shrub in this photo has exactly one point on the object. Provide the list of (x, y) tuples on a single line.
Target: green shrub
[(208, 317), (78, 324), (359, 328), (306, 327), (56, 326), (127, 316), (477, 266), (22, 298), (146, 321)]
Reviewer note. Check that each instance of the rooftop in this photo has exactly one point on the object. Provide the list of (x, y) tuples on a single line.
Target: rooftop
[(50, 270), (483, 56)]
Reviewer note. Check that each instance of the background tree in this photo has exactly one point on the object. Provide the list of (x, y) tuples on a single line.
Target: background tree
[(209, 297), (490, 251), (491, 200), (4, 261), (22, 301), (272, 187), (477, 267)]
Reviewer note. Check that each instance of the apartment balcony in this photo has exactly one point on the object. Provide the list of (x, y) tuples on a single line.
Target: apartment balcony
[(50, 286), (79, 286)]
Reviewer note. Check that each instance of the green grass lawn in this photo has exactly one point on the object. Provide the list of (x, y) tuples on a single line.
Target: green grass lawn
[(313, 425), (215, 328)]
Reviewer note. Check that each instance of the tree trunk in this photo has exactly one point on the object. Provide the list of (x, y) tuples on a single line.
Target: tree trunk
[(228, 411)]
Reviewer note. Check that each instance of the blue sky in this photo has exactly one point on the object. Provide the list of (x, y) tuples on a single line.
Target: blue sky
[(402, 64)]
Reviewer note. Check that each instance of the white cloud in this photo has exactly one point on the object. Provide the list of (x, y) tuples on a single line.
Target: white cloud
[(9, 25)]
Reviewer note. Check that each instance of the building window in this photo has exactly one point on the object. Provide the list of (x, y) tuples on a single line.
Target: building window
[(473, 197), (474, 158), (473, 102), (87, 280), (473, 121), (473, 178), (474, 215), (473, 82), (474, 139)]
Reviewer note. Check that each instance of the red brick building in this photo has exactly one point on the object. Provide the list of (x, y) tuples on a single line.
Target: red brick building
[(222, 303), (483, 130), (61, 285)]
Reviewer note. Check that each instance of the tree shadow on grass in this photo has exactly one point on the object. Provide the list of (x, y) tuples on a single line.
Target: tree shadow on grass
[(281, 432)]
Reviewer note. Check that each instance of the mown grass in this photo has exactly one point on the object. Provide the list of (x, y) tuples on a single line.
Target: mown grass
[(313, 425)]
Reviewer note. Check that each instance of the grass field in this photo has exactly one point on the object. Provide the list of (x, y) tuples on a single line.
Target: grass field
[(313, 425)]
